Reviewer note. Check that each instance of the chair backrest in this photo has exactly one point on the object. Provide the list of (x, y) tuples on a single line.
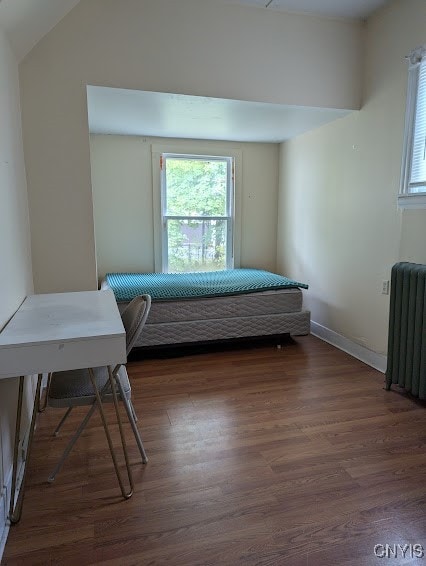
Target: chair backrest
[(134, 317)]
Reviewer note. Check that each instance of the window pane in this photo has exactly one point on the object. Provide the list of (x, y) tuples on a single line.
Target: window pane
[(196, 187), (418, 164), (196, 245)]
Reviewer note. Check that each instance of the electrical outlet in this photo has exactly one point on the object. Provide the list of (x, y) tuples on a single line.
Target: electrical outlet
[(385, 287)]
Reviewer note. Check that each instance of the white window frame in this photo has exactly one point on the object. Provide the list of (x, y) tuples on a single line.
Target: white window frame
[(406, 198), (188, 150)]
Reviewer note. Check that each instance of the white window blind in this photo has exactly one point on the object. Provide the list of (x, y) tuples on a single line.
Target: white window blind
[(413, 172), (417, 181)]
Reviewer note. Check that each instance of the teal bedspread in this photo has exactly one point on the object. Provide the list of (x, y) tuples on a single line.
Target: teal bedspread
[(169, 286)]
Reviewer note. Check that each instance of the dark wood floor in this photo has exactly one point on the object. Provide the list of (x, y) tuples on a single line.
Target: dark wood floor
[(257, 456)]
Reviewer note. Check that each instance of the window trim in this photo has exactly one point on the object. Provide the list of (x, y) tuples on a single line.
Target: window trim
[(215, 150), (407, 199)]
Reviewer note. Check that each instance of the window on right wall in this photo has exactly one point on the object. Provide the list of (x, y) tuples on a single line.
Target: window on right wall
[(413, 173)]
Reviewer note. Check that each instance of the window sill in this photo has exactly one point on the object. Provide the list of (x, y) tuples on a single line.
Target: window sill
[(412, 201)]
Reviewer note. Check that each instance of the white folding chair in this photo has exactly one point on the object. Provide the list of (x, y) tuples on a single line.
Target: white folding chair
[(95, 386)]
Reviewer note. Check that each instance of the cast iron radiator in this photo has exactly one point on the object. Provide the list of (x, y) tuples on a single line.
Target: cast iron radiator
[(406, 364)]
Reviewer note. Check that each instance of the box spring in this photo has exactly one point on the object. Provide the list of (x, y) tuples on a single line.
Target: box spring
[(222, 318)]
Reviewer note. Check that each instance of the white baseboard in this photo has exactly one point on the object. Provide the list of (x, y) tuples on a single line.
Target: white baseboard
[(377, 361)]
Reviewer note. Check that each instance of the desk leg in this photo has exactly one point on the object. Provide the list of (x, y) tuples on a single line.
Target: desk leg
[(42, 406), (126, 494), (15, 510)]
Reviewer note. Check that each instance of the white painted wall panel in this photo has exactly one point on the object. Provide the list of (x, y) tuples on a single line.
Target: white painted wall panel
[(15, 257), (188, 47), (123, 200), (339, 226)]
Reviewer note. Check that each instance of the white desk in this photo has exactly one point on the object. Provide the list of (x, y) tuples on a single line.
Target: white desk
[(55, 332), (62, 331)]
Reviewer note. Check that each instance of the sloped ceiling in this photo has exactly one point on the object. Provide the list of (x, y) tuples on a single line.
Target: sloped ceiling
[(25, 22)]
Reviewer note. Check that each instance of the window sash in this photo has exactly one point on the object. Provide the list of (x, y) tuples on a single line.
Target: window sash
[(228, 217), (417, 181), (413, 171)]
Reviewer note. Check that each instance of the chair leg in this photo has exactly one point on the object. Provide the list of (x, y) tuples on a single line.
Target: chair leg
[(132, 420), (135, 417), (71, 443), (75, 436), (61, 422), (125, 494)]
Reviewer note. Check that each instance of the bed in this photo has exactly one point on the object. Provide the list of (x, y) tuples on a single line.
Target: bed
[(190, 308)]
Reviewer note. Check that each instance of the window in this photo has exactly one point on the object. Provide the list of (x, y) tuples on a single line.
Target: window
[(413, 175), (197, 212)]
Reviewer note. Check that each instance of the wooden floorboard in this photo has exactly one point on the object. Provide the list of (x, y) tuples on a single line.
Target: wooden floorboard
[(257, 456)]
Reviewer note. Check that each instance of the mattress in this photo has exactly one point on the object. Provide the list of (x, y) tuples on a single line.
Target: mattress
[(170, 286)]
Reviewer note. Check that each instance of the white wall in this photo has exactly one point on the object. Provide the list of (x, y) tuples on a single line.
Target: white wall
[(15, 258), (192, 47), (339, 226), (123, 203)]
